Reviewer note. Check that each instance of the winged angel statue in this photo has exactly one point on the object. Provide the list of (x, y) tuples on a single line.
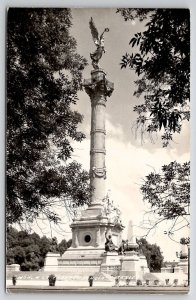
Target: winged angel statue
[(99, 42)]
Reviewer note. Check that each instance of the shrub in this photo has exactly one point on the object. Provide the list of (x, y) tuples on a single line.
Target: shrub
[(156, 282), (139, 282), (52, 280)]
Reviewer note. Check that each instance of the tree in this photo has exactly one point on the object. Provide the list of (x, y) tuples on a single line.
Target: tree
[(24, 249), (10, 255), (45, 244), (54, 245), (29, 250), (33, 258), (161, 61), (44, 74), (152, 253), (19, 255), (69, 243), (62, 246), (12, 239), (168, 194)]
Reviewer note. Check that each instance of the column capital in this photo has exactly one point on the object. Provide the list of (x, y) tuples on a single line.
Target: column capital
[(98, 84)]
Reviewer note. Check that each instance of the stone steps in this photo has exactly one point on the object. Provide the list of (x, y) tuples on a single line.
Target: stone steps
[(103, 277)]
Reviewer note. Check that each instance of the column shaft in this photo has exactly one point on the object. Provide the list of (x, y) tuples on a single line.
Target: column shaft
[(98, 88), (97, 152)]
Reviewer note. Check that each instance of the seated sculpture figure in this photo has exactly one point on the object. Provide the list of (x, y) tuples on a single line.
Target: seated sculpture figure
[(121, 249), (125, 247), (109, 245)]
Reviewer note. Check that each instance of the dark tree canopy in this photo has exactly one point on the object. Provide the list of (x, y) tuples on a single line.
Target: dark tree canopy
[(64, 245), (44, 74), (168, 193), (152, 253), (161, 59), (29, 250)]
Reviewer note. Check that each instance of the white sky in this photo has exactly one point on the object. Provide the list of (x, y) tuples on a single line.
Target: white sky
[(127, 160)]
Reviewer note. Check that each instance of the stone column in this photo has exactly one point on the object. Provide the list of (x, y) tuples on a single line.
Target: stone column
[(74, 238), (97, 243), (98, 88)]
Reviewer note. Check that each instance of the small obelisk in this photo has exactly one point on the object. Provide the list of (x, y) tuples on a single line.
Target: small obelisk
[(132, 244), (130, 262)]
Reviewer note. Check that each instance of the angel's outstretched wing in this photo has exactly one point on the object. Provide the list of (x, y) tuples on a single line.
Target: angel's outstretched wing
[(94, 31)]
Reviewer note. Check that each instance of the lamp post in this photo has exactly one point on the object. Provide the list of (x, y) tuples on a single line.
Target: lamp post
[(188, 246), (185, 241)]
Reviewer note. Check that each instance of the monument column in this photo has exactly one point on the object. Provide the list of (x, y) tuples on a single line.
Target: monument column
[(98, 88), (89, 229)]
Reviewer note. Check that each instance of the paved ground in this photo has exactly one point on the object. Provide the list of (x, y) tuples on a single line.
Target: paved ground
[(96, 289)]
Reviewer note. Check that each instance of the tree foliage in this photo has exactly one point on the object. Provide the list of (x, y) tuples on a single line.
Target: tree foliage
[(64, 245), (152, 253), (29, 250), (168, 194), (161, 60), (44, 74)]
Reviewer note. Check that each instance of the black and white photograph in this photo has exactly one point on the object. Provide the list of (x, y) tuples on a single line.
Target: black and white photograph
[(98, 150)]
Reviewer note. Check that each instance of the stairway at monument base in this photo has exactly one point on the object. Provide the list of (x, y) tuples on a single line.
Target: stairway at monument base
[(83, 261)]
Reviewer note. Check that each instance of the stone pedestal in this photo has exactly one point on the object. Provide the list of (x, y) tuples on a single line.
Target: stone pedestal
[(167, 270), (51, 262), (111, 263), (130, 266), (183, 251), (143, 264), (88, 245), (12, 267), (178, 270), (183, 264), (184, 258)]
